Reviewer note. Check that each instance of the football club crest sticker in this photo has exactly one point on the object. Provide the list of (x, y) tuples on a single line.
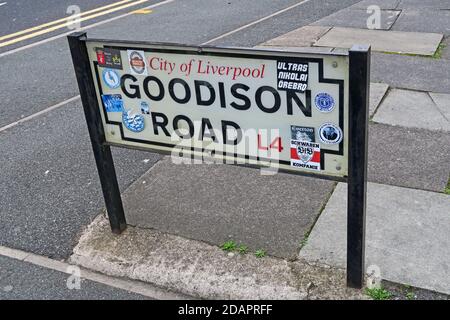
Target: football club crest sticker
[(324, 102), (133, 121), (305, 155), (112, 102), (111, 78), (138, 65), (330, 133)]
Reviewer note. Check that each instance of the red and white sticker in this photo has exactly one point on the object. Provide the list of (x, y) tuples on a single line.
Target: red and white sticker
[(305, 155), (138, 65)]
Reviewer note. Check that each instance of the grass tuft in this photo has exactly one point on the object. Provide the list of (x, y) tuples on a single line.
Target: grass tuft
[(242, 249), (378, 293), (439, 50), (228, 246), (260, 253)]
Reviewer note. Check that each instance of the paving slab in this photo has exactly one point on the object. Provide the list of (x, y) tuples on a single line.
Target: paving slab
[(442, 102), (200, 270), (217, 203), (408, 157), (377, 93), (411, 72), (383, 4), (407, 235), (445, 53), (413, 109), (20, 280), (301, 37), (356, 18), (424, 20), (430, 4), (297, 49), (384, 41)]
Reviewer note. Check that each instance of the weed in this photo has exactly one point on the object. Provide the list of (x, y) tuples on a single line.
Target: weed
[(230, 245), (260, 253), (242, 249), (438, 53), (378, 293), (304, 240), (410, 295)]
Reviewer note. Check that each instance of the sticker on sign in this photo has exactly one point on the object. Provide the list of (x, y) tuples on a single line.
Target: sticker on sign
[(239, 106)]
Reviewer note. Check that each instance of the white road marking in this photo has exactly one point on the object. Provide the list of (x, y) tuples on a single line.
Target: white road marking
[(81, 29), (256, 22), (51, 23), (37, 114), (3, 3), (138, 287), (115, 18), (71, 21)]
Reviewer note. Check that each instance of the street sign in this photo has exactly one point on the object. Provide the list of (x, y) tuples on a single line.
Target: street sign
[(301, 113), (270, 109)]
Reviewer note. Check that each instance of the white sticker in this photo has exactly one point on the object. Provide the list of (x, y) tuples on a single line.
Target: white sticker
[(138, 65)]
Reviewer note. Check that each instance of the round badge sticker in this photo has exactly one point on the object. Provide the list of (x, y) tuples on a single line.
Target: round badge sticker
[(133, 122), (330, 133), (324, 102), (137, 62), (111, 78)]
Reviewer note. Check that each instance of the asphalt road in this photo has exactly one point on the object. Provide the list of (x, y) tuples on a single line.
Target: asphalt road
[(49, 188), (21, 280), (23, 14), (47, 18)]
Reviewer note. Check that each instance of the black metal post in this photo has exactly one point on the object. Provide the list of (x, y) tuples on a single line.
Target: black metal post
[(359, 82), (102, 152)]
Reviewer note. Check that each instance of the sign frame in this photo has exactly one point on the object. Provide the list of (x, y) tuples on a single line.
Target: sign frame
[(358, 113)]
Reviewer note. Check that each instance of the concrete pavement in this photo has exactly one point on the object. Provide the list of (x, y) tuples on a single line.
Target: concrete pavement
[(217, 203), (202, 270), (407, 235), (418, 43), (415, 109)]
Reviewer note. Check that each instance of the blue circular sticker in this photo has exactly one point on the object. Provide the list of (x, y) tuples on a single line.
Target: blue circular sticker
[(111, 78), (330, 133), (133, 122), (324, 102), (145, 108)]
